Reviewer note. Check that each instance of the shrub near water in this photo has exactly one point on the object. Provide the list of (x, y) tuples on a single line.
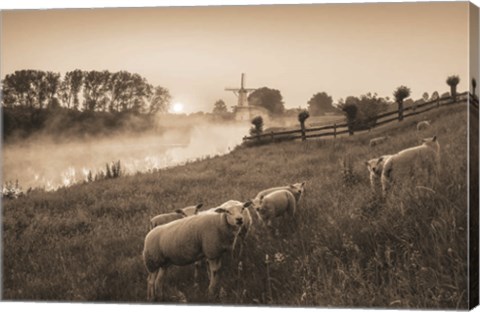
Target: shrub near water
[(84, 243)]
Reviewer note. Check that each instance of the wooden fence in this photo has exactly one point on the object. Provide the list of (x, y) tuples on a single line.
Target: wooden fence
[(379, 120)]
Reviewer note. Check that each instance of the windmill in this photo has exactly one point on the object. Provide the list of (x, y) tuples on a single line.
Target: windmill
[(241, 93)]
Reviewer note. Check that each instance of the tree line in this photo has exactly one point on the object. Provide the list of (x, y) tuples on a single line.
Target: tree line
[(85, 91)]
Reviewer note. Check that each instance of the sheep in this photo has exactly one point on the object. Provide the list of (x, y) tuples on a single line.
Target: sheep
[(242, 232), (247, 218), (423, 125), (297, 190), (276, 204), (412, 162), (375, 168), (375, 141), (172, 216), (184, 241)]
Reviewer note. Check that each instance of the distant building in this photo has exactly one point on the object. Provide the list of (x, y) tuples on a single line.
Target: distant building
[(243, 111)]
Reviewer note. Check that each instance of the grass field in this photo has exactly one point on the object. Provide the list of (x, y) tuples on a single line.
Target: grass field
[(84, 243)]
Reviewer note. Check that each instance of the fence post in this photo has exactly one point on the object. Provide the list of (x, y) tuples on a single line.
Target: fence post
[(438, 103), (303, 133), (335, 130), (400, 111), (271, 135)]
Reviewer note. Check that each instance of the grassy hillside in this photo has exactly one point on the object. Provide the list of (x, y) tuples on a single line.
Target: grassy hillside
[(84, 243)]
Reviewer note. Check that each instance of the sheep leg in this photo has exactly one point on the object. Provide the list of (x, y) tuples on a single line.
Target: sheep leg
[(195, 273), (215, 265), (159, 284), (151, 286)]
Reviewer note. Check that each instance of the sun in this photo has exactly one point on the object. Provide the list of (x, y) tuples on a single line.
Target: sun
[(177, 108)]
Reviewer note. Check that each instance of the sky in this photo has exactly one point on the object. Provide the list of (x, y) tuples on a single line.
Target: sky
[(196, 52)]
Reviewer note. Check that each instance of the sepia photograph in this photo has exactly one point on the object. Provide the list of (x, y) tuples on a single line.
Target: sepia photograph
[(320, 155)]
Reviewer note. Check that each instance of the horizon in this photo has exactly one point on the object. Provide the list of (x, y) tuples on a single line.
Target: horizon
[(199, 51)]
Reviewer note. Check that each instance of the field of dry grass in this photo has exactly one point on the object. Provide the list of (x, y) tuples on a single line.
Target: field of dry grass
[(349, 249)]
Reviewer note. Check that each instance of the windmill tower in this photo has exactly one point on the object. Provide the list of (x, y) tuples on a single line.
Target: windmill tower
[(241, 93), (243, 111)]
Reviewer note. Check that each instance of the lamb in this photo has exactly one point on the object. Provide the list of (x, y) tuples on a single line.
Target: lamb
[(184, 241), (423, 125), (375, 141), (375, 168), (172, 216), (276, 204), (415, 162)]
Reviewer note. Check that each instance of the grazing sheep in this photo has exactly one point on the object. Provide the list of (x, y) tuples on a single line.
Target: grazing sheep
[(375, 141), (414, 162), (172, 216), (297, 190), (423, 125), (375, 168), (276, 204), (184, 241)]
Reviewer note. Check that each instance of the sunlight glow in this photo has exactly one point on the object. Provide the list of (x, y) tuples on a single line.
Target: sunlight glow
[(177, 108)]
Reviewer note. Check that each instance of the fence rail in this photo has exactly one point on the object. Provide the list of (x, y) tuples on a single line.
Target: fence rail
[(379, 120)]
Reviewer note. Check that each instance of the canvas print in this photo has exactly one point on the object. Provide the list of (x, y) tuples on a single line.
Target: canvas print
[(309, 155)]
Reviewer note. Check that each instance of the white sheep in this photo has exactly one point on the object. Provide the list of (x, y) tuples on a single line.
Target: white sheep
[(423, 125), (172, 216), (375, 141), (375, 168), (297, 190), (415, 162), (276, 204), (243, 232), (184, 241)]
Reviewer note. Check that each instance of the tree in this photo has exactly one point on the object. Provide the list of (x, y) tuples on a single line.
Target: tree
[(302, 117), (160, 101), (270, 99), (52, 85), (400, 94), (95, 87), (26, 88), (350, 110), (435, 96), (15, 88), (70, 88), (453, 81), (361, 113), (425, 96), (257, 128), (320, 103), (220, 108)]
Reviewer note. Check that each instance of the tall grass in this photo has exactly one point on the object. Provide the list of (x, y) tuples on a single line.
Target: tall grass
[(349, 248)]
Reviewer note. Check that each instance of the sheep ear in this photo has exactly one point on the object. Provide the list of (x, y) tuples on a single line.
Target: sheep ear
[(248, 203), (380, 159), (434, 138), (180, 211), (304, 182), (220, 210), (261, 197), (199, 206)]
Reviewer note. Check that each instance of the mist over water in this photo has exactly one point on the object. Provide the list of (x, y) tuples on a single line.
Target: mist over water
[(42, 163)]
